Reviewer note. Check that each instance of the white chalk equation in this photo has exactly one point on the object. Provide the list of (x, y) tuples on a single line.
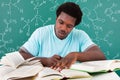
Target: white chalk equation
[(20, 18), (110, 12), (10, 5)]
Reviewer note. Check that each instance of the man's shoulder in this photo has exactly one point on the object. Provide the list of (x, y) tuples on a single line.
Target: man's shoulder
[(78, 31), (44, 30)]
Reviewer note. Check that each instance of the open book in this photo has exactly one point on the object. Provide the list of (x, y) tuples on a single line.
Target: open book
[(97, 66), (51, 74), (14, 66)]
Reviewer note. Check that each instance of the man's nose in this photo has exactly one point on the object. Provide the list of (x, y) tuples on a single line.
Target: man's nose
[(64, 27)]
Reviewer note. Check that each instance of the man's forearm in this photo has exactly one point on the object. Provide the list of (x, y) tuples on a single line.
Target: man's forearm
[(93, 53), (88, 56), (43, 60), (25, 55)]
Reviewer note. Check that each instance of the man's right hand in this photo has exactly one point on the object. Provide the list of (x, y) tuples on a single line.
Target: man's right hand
[(51, 61)]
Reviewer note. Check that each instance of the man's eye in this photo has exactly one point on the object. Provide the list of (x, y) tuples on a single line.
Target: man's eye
[(60, 22), (69, 26)]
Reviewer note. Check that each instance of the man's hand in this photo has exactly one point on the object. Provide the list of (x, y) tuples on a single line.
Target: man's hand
[(52, 60), (66, 62)]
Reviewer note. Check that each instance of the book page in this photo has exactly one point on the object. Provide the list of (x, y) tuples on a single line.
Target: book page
[(13, 59), (93, 66), (24, 71), (5, 70), (115, 65), (4, 61), (75, 74), (48, 74), (26, 78), (53, 77)]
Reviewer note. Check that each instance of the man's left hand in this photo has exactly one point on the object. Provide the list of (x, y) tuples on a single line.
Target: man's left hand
[(66, 62)]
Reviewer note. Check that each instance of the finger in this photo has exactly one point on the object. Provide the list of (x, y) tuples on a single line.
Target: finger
[(61, 65), (61, 68), (57, 56), (58, 64), (64, 62), (65, 66), (53, 65), (68, 65), (55, 60)]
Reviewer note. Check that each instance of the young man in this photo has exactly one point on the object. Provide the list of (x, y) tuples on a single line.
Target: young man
[(60, 45)]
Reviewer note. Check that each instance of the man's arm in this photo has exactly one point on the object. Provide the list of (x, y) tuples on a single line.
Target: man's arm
[(44, 60), (25, 54), (90, 54)]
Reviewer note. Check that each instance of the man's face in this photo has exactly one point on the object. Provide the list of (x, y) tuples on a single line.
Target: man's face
[(64, 24)]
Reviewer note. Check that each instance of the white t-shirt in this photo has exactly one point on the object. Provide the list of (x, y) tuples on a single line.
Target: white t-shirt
[(44, 43)]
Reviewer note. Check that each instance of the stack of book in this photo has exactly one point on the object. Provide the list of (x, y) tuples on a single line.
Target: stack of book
[(14, 67)]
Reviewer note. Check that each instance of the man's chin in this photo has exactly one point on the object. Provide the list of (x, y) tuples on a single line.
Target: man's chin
[(61, 37)]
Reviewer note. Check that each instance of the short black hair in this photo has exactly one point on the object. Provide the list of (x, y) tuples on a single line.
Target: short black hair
[(71, 9)]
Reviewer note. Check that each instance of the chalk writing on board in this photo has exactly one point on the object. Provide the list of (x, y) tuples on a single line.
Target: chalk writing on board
[(11, 4), (109, 12)]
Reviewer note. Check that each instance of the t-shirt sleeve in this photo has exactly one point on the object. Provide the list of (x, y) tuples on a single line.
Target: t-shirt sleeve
[(86, 41), (32, 45)]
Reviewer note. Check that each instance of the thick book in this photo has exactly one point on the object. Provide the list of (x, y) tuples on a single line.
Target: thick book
[(13, 66), (51, 74), (97, 66)]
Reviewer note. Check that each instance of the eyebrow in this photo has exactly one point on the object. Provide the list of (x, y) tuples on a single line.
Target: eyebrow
[(63, 21)]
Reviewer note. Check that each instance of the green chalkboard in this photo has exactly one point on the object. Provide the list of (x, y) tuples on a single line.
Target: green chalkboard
[(19, 18)]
